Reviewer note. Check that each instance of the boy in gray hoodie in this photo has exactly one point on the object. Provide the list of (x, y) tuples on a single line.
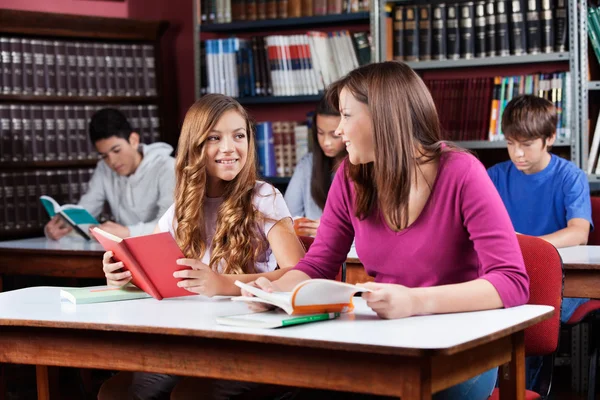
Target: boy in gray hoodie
[(137, 180)]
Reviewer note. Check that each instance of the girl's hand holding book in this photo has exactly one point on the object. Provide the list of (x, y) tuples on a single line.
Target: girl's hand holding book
[(267, 286), (201, 278), (389, 301), (115, 275)]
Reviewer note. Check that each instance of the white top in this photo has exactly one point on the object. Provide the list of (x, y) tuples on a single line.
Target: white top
[(66, 243), (580, 255), (363, 327), (267, 199)]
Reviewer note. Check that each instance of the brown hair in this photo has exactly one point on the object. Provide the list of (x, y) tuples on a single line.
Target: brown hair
[(238, 240), (322, 166), (529, 117), (406, 131)]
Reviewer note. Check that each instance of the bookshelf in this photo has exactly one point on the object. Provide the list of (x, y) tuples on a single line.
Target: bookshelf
[(55, 71), (279, 107), (510, 65)]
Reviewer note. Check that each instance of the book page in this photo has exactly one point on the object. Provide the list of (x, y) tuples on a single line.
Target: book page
[(325, 291)]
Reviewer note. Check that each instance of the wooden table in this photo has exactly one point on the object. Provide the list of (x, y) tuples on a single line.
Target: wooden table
[(70, 257), (582, 271), (411, 358), (581, 266)]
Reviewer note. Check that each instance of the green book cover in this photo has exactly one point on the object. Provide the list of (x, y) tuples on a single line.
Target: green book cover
[(102, 294), (594, 30), (273, 319)]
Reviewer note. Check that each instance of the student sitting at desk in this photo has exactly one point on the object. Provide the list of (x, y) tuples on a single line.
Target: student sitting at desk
[(308, 188), (137, 180), (229, 225), (429, 225)]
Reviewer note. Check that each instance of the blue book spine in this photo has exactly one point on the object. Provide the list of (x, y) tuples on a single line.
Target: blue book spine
[(266, 149)]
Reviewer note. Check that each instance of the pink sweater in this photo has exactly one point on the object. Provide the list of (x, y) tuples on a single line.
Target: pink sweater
[(463, 233)]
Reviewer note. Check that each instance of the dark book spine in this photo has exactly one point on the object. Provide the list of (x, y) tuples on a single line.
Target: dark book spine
[(37, 47), (490, 28), (32, 200), (547, 26), (480, 29), (9, 200), (73, 152), (438, 27), (109, 72), (49, 68), (50, 138), (82, 133), (88, 111), (74, 193), (453, 31), (424, 32), (27, 66), (20, 201), (16, 56), (90, 63), (149, 70), (534, 34), (5, 65), (16, 128), (144, 128), (62, 144), (39, 143), (154, 123), (129, 69), (518, 29), (138, 65), (61, 68), (5, 134), (72, 69), (120, 76), (560, 25), (503, 41), (398, 33), (27, 137), (81, 70), (467, 30), (100, 62), (411, 34)]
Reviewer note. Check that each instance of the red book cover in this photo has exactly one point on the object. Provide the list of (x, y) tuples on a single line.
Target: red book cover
[(151, 259)]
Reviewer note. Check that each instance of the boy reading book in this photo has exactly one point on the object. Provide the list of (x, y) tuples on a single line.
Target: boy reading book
[(136, 180), (228, 225)]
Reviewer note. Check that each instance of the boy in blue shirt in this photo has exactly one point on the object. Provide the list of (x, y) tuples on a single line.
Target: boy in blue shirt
[(545, 195)]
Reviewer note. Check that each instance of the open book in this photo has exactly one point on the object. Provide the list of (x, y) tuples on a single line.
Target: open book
[(313, 296), (273, 319), (151, 259), (76, 216)]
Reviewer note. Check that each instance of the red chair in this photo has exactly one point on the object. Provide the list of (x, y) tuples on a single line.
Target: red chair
[(307, 241), (589, 311), (544, 267)]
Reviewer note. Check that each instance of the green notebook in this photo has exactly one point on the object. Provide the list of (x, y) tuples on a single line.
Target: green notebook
[(102, 294), (273, 319)]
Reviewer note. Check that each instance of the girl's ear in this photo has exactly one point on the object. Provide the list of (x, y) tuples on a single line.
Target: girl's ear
[(134, 139)]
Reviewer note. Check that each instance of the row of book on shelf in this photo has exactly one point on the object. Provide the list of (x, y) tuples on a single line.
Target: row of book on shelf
[(281, 65), (225, 11), (471, 109), (20, 206), (49, 133), (593, 17), (280, 145), (71, 68), (485, 28)]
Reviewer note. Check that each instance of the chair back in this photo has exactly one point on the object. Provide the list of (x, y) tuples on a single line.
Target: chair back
[(545, 270), (594, 238), (307, 241)]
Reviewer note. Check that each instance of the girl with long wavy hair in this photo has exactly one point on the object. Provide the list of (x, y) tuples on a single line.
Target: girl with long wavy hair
[(307, 191), (428, 223), (229, 225)]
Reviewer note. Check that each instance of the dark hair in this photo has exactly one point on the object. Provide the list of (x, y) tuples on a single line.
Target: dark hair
[(406, 130), (322, 165), (109, 122), (529, 117)]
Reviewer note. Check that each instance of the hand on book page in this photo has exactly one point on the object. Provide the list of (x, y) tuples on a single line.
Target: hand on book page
[(77, 217), (201, 279), (389, 301), (312, 296), (150, 260), (263, 284)]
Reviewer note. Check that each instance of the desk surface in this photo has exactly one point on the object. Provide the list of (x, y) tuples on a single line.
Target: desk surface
[(195, 316), (66, 244), (581, 257)]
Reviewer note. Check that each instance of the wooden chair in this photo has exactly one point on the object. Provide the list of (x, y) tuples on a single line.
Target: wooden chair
[(307, 241), (545, 270)]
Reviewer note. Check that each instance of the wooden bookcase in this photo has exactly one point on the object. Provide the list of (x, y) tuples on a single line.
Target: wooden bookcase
[(113, 52)]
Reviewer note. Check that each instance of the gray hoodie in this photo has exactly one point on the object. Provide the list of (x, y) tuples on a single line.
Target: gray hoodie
[(139, 200)]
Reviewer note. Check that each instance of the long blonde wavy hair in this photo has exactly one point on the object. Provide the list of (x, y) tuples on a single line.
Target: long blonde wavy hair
[(238, 241)]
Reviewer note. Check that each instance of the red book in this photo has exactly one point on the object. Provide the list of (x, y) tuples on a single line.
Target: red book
[(151, 259)]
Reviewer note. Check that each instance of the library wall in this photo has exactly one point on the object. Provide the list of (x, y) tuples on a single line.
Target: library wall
[(116, 9)]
